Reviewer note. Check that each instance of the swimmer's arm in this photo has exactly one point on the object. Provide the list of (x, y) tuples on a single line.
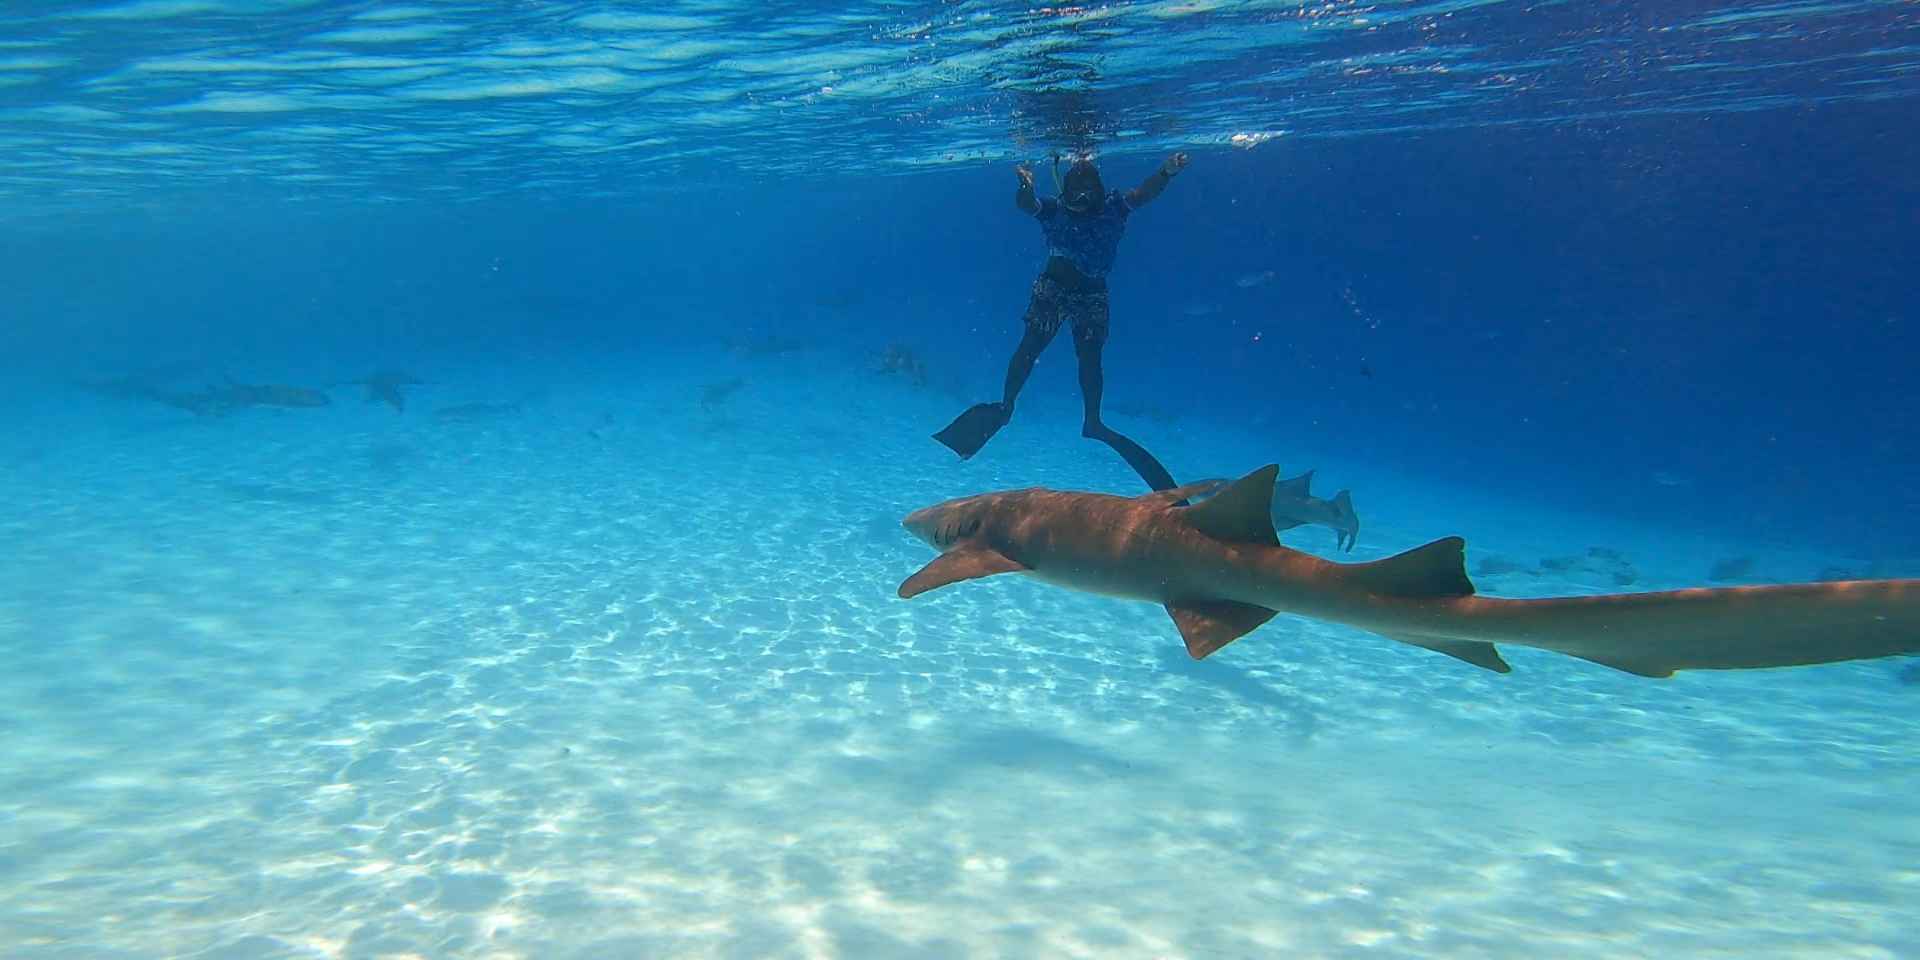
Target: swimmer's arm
[(1143, 194), (1024, 198)]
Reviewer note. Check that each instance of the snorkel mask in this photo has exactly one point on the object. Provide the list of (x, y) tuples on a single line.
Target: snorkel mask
[(1080, 190)]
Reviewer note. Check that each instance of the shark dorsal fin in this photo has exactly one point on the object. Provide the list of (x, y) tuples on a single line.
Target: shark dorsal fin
[(967, 562), (1208, 625), (1300, 487), (1438, 569), (1242, 513)]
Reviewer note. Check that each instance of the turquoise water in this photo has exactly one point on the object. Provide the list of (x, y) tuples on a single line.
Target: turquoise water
[(601, 679), (614, 666)]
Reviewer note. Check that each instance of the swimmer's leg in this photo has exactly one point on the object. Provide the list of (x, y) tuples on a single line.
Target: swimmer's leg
[(1032, 343), (1089, 338), (971, 430)]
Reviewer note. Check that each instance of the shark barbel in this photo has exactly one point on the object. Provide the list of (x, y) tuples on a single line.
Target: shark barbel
[(1221, 572)]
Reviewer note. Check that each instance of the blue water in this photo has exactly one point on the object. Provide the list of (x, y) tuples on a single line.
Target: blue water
[(1623, 294)]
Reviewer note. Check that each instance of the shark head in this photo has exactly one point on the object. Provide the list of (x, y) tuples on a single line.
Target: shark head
[(943, 525)]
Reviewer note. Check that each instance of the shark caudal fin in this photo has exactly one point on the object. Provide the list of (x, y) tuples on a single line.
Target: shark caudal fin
[(1299, 488), (1345, 519)]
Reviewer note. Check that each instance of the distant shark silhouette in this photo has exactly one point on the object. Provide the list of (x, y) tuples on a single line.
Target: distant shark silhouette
[(383, 386), (270, 395), (211, 402), (715, 395), (1221, 573), (220, 401), (1295, 505)]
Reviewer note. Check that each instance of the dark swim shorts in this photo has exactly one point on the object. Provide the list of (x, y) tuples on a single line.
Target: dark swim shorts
[(1085, 308)]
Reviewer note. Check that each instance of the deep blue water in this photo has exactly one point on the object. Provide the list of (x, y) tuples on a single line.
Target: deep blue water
[(1704, 321), (617, 667)]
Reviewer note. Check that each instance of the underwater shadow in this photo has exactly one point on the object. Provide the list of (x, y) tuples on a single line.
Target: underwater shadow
[(271, 493), (1301, 719), (999, 750)]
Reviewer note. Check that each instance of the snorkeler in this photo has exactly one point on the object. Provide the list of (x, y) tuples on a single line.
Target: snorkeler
[(1083, 228)]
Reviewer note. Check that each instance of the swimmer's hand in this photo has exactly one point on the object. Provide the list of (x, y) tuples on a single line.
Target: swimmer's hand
[(1025, 173), (1174, 164)]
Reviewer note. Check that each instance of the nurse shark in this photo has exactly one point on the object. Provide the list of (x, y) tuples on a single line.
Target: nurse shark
[(1221, 573)]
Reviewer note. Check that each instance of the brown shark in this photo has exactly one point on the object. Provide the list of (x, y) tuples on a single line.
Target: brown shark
[(1221, 573)]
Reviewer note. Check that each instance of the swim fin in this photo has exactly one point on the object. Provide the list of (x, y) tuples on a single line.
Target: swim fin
[(971, 430), (1136, 456)]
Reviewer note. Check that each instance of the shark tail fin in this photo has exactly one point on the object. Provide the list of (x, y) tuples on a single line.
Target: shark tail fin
[(1348, 521), (1299, 487), (1436, 570)]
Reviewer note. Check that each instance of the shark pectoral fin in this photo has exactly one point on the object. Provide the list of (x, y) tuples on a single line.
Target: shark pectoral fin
[(1208, 625), (1477, 652), (962, 563), (1438, 569), (1242, 513)]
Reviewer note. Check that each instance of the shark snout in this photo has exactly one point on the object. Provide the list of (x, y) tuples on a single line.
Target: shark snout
[(943, 525), (921, 524)]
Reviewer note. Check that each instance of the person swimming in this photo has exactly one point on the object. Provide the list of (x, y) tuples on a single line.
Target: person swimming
[(1082, 228)]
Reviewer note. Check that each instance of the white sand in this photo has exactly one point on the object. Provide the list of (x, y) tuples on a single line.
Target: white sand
[(341, 683)]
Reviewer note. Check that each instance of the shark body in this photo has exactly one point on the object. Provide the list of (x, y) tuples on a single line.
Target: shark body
[(220, 401), (1221, 573)]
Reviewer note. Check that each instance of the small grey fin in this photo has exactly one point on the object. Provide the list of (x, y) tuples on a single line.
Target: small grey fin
[(961, 563), (1652, 670), (1208, 625), (1480, 653), (1242, 513), (1300, 487), (1438, 569), (1349, 528), (1343, 506)]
